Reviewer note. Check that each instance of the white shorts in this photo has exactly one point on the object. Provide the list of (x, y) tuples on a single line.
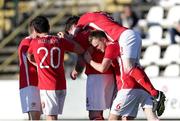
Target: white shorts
[(128, 101), (30, 99), (130, 45), (99, 91), (52, 101)]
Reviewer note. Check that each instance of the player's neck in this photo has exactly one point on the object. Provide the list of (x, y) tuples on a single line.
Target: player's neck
[(42, 34)]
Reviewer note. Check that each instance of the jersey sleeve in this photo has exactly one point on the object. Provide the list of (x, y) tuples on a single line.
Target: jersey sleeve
[(22, 46), (112, 51), (95, 18), (85, 19), (82, 39), (67, 45), (103, 22), (30, 49)]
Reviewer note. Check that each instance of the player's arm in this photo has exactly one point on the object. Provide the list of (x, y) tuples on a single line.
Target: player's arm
[(77, 48), (111, 53), (20, 51), (90, 17), (95, 20), (72, 46), (85, 19), (80, 64), (30, 55), (101, 67), (31, 59), (78, 67), (65, 36)]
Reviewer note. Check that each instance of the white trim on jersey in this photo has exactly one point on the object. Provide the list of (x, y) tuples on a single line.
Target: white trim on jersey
[(26, 68), (121, 70), (98, 28), (28, 37)]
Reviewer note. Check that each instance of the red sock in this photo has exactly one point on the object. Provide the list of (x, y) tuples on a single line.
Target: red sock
[(140, 76)]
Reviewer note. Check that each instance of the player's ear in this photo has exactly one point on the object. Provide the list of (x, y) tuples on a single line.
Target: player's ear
[(104, 39), (34, 31)]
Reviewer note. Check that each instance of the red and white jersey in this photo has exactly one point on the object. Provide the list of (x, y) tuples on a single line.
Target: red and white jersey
[(82, 38), (101, 21), (113, 52), (48, 53), (27, 71), (97, 56)]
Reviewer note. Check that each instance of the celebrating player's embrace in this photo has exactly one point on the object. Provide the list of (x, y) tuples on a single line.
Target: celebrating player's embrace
[(47, 53), (111, 49)]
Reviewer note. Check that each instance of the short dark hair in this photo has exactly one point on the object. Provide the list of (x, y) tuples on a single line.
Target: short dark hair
[(96, 34), (40, 24), (70, 21)]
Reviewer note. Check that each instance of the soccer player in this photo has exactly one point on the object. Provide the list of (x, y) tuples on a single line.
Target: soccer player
[(28, 81), (48, 54), (130, 94), (130, 47), (100, 86)]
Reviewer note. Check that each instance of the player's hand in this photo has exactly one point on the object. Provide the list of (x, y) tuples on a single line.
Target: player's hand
[(65, 35), (73, 74), (60, 34), (87, 57)]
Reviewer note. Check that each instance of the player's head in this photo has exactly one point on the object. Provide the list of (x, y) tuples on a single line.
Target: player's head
[(70, 25), (98, 39), (31, 31), (40, 24)]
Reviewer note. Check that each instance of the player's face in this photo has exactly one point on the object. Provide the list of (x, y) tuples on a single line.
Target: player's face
[(73, 30), (99, 43)]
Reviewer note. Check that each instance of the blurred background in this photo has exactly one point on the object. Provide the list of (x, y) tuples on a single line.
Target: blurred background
[(157, 21)]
